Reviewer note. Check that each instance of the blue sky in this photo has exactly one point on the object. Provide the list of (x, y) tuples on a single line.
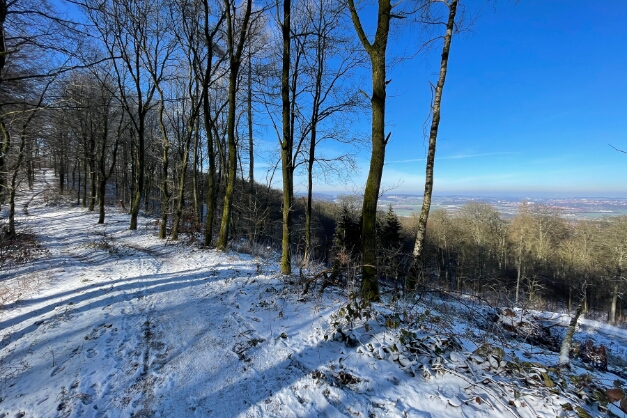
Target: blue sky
[(535, 93)]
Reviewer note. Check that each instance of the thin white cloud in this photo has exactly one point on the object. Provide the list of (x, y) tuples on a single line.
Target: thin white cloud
[(454, 157)]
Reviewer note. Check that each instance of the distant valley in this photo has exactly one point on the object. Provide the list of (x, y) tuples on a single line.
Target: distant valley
[(570, 207), (574, 208)]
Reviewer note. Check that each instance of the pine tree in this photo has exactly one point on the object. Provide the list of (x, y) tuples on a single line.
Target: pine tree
[(390, 232), (347, 234)]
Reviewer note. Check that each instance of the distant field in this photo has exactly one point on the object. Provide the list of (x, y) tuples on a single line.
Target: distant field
[(572, 208)]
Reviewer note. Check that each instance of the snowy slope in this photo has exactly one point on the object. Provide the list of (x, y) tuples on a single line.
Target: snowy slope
[(110, 322)]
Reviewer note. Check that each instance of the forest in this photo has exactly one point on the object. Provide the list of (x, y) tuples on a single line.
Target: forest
[(153, 107)]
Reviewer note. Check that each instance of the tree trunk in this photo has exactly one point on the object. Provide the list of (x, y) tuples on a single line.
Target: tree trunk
[(165, 202), (564, 359), (195, 176), (181, 189), (4, 10), (287, 145), (433, 136), (78, 189), (308, 210), (85, 176), (519, 272), (149, 181), (13, 186), (92, 191), (211, 197), (252, 232), (6, 136), (376, 51), (209, 128), (101, 199), (105, 174), (315, 115), (570, 297), (6, 139), (92, 172), (30, 171), (232, 164), (251, 154), (614, 302), (235, 55), (139, 163)]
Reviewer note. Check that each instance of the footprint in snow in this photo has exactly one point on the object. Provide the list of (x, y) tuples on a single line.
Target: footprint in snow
[(91, 353)]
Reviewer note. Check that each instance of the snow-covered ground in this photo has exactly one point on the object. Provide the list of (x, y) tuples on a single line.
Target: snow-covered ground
[(109, 322)]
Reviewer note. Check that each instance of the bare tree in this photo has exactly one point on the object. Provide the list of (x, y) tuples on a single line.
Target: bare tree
[(329, 95), (235, 48), (29, 111), (376, 50), (36, 46), (187, 89), (89, 97), (207, 74), (131, 34), (614, 249), (577, 255), (287, 141), (433, 136), (564, 358)]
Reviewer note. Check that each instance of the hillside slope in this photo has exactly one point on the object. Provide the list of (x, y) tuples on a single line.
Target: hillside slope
[(107, 322)]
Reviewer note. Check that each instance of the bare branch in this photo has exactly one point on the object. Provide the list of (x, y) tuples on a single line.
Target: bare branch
[(619, 150)]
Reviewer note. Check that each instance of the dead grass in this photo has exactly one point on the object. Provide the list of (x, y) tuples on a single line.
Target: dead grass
[(18, 249), (15, 252)]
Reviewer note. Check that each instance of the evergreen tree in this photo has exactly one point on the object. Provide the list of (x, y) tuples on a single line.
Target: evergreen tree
[(390, 231), (347, 234)]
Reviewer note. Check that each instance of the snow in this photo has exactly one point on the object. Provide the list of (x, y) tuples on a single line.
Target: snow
[(109, 322)]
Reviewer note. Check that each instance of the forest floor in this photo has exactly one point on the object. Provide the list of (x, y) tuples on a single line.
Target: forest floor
[(98, 320)]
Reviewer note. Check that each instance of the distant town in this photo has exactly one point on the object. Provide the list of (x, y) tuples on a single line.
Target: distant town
[(573, 208)]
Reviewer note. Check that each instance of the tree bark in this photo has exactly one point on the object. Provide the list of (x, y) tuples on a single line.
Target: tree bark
[(519, 272), (287, 145), (85, 176), (235, 56), (209, 128), (139, 164), (251, 153), (433, 136), (20, 160), (92, 170), (564, 359), (376, 51), (211, 196), (165, 192), (315, 115), (195, 175), (105, 174), (13, 185), (4, 148), (4, 10), (6, 136), (614, 303), (181, 189)]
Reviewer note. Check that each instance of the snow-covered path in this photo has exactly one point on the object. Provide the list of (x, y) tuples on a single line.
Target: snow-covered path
[(115, 323), (121, 324)]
